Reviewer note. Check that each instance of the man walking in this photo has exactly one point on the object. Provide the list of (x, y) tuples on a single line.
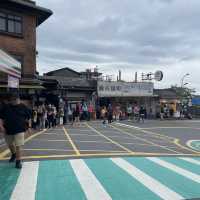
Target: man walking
[(14, 121)]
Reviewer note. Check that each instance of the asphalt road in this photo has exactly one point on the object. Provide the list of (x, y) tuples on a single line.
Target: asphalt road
[(124, 138)]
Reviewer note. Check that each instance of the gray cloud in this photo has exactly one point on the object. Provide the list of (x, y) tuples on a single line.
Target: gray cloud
[(134, 35)]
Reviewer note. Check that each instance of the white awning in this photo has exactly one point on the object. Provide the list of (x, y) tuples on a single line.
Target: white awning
[(9, 65)]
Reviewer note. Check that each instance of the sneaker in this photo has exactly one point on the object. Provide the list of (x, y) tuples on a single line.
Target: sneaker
[(12, 158), (18, 164)]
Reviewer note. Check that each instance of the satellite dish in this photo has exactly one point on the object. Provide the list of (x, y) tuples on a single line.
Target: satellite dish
[(158, 76)]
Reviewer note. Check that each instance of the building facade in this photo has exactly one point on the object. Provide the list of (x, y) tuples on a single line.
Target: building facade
[(18, 22)]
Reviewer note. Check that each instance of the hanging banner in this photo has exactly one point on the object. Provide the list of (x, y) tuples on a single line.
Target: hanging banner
[(13, 82), (124, 89), (9, 65)]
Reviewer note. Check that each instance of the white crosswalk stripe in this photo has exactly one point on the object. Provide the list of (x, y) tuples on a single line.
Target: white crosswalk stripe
[(193, 161), (89, 183), (178, 170), (27, 182), (151, 183)]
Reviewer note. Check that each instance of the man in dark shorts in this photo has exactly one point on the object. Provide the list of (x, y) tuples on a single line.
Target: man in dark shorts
[(14, 121)]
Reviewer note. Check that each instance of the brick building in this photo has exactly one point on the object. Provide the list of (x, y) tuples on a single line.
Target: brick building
[(18, 22)]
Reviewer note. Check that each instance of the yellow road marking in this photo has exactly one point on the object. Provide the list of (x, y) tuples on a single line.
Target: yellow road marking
[(100, 155), (44, 140), (7, 151), (100, 142), (142, 139), (113, 142), (71, 142), (47, 150), (89, 135), (175, 141), (96, 150), (148, 132)]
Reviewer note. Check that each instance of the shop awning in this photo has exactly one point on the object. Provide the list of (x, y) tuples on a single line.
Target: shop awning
[(9, 65), (25, 86)]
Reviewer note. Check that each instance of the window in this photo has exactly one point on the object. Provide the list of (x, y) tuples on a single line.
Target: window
[(10, 23)]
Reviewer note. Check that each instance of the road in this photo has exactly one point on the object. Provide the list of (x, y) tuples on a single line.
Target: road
[(124, 160)]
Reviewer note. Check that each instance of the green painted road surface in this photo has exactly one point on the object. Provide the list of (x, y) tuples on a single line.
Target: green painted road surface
[(127, 178)]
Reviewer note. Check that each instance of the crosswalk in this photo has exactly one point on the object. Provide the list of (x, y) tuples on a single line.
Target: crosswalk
[(125, 178)]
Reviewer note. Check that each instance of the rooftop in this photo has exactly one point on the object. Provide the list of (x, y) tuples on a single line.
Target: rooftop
[(28, 6)]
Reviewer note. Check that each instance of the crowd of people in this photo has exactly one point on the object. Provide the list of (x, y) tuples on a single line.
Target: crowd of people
[(117, 113), (48, 116)]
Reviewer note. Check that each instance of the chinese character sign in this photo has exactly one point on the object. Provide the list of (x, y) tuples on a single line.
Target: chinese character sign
[(124, 89)]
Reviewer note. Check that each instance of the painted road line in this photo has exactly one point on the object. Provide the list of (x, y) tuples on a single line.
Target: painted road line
[(71, 142), (144, 140), (56, 180), (112, 141), (89, 183), (183, 164), (179, 170), (176, 182), (194, 144), (100, 155), (47, 150), (193, 161), (44, 140), (8, 180), (165, 127), (118, 183), (100, 142), (7, 151), (149, 182), (27, 179), (147, 132), (175, 141), (89, 136)]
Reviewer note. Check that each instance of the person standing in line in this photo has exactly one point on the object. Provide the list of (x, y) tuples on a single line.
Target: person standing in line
[(76, 115), (142, 114), (103, 115), (161, 113), (90, 111), (110, 114), (66, 116), (85, 111), (70, 113), (136, 113), (34, 118), (129, 112), (14, 122)]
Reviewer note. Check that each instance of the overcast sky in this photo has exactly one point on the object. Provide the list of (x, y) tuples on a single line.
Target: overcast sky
[(131, 35)]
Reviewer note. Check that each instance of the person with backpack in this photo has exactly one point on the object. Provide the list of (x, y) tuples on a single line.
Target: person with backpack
[(14, 122)]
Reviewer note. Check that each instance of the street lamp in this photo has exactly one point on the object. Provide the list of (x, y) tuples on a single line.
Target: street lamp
[(182, 91), (182, 79)]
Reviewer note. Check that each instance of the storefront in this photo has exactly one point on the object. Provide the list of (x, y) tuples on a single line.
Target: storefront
[(10, 73), (125, 93)]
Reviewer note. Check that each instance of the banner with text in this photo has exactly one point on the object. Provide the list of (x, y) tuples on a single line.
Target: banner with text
[(124, 89)]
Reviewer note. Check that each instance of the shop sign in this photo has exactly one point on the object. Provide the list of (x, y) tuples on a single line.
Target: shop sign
[(124, 89), (9, 65), (13, 82)]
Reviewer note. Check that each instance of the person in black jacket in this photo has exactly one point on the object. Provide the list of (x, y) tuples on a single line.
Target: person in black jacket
[(14, 122)]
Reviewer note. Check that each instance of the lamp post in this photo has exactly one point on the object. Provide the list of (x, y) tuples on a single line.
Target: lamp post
[(182, 79), (182, 92)]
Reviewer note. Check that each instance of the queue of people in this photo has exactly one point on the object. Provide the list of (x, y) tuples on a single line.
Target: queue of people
[(117, 113)]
